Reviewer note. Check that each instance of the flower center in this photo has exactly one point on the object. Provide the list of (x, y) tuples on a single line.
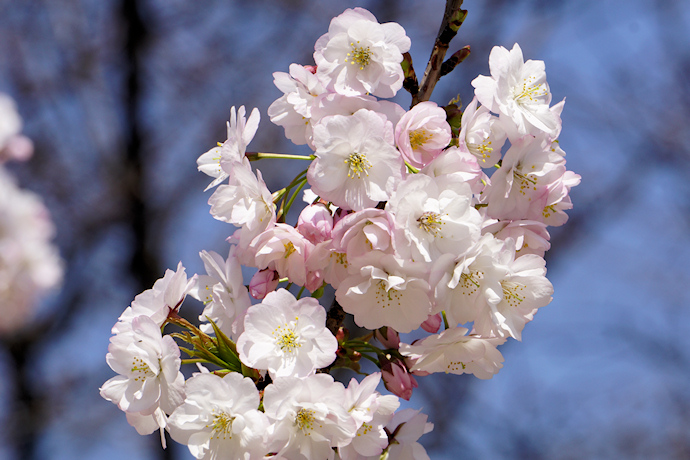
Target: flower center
[(528, 92), (141, 370), (289, 249), (430, 222), (511, 293), (359, 55), (386, 297), (286, 338), (526, 181), (482, 150), (419, 137), (469, 282), (364, 429), (358, 164), (305, 420), (221, 427)]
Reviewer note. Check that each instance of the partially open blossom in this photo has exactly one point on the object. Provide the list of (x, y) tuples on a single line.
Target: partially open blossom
[(397, 379), (223, 293), (166, 295), (240, 133), (263, 282), (481, 134), (422, 133), (315, 222)]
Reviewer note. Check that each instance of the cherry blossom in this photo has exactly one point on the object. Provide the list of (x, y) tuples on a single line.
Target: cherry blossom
[(360, 56), (149, 379), (286, 336), (166, 295), (219, 418), (518, 91), (309, 417), (422, 133), (240, 133), (453, 351), (355, 160), (223, 293)]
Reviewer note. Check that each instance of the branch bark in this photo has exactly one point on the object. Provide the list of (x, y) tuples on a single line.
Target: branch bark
[(453, 18)]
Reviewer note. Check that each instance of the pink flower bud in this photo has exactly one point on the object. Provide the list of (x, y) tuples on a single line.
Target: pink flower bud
[(388, 337), (263, 282), (314, 280), (432, 323), (315, 223), (396, 379)]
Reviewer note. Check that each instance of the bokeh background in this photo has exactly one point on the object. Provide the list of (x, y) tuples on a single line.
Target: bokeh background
[(121, 96)]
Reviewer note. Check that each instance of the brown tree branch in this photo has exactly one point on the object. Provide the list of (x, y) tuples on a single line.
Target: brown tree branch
[(453, 18)]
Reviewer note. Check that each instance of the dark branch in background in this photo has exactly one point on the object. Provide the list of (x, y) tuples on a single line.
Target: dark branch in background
[(144, 264), (453, 18)]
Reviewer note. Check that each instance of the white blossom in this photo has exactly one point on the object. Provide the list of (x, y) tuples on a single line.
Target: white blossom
[(30, 265), (286, 336), (223, 293), (308, 417), (166, 295), (518, 91), (241, 131), (359, 56), (219, 418), (355, 160), (453, 351)]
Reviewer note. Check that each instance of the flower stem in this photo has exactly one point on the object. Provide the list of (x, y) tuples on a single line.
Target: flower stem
[(255, 156)]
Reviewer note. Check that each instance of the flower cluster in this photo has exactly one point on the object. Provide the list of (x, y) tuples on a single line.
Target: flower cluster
[(29, 263), (418, 219)]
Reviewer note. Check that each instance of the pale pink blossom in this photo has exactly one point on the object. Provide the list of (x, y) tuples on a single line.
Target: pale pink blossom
[(453, 351), (409, 425), (422, 133), (219, 418), (223, 293), (355, 159), (308, 416), (149, 384), (481, 134), (283, 249), (519, 92), (386, 291), (360, 56), (458, 166), (244, 202), (286, 336), (371, 411), (166, 295), (436, 215), (520, 188), (263, 282), (218, 161), (293, 110)]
